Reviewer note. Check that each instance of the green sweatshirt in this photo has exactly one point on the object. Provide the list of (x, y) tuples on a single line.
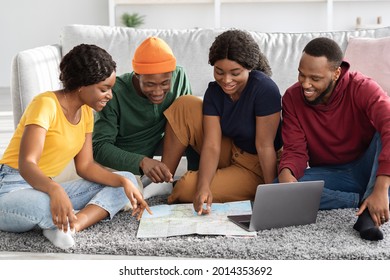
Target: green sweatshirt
[(130, 127)]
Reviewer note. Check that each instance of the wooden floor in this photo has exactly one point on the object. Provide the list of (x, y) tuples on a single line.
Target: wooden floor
[(6, 119)]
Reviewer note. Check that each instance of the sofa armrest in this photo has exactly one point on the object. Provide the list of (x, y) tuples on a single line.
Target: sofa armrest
[(33, 71)]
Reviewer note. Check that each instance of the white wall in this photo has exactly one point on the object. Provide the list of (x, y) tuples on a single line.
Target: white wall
[(279, 16), (345, 13), (27, 24)]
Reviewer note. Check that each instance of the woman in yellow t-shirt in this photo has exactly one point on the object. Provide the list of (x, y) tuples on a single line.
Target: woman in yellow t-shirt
[(56, 128)]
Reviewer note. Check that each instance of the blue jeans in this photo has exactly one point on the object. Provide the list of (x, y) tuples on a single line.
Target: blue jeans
[(348, 184), (22, 207)]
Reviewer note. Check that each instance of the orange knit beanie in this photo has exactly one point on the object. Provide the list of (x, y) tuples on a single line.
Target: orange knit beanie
[(153, 56)]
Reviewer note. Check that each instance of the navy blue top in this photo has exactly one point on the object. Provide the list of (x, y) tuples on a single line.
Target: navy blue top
[(260, 97)]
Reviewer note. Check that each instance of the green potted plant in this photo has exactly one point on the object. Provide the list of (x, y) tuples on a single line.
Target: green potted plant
[(132, 20)]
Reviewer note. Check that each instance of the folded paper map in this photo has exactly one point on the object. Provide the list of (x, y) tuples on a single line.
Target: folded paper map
[(181, 219)]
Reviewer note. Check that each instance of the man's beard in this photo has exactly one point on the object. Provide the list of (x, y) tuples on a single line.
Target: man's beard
[(321, 97)]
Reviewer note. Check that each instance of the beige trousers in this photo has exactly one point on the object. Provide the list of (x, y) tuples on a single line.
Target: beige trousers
[(238, 173)]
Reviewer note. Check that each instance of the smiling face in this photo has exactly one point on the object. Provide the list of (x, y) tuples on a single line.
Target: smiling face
[(154, 86), (97, 95), (231, 77), (317, 78)]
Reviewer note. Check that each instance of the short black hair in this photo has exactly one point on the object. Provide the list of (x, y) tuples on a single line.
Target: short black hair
[(239, 46), (85, 65), (327, 47)]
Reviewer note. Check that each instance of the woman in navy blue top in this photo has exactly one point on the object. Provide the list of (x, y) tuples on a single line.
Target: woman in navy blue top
[(236, 129)]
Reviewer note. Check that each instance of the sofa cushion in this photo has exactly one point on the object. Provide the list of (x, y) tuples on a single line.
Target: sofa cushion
[(371, 57)]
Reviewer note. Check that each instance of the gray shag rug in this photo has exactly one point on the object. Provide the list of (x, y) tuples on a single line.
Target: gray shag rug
[(331, 238)]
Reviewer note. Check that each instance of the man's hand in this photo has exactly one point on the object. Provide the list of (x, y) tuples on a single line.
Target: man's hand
[(286, 176), (378, 201), (157, 171)]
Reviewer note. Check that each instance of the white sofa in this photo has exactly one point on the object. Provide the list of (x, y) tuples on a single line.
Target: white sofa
[(36, 70)]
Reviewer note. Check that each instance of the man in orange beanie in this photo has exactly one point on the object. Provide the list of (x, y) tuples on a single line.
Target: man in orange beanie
[(130, 129)]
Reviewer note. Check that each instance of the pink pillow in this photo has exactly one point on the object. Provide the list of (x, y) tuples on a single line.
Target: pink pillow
[(371, 56)]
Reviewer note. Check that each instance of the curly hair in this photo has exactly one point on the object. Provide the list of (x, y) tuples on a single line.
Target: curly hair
[(323, 46), (239, 46), (85, 65)]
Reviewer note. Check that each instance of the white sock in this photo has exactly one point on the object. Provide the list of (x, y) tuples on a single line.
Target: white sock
[(155, 189), (152, 189), (63, 240)]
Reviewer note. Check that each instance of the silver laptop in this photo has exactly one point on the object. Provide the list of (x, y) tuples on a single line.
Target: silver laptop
[(281, 205)]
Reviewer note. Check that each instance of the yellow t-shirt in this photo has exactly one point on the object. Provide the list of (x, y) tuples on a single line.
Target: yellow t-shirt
[(63, 139)]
